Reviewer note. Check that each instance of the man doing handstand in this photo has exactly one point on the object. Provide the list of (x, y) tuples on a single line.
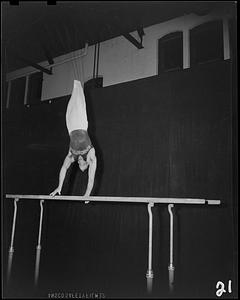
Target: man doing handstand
[(81, 149)]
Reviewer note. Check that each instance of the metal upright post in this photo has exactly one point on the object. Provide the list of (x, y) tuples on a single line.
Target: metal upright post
[(11, 249), (171, 266), (149, 274), (38, 249)]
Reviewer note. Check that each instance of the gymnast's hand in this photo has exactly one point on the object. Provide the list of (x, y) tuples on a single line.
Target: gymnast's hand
[(86, 195), (56, 191)]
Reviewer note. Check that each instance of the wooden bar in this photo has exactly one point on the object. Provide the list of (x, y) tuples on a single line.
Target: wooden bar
[(118, 199)]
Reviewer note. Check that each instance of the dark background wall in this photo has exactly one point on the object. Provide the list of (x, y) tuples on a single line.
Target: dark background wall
[(166, 136)]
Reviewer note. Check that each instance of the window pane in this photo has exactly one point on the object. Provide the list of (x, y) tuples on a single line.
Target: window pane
[(206, 42), (170, 49)]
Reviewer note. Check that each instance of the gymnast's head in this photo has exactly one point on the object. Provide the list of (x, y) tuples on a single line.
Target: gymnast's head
[(80, 143), (79, 140)]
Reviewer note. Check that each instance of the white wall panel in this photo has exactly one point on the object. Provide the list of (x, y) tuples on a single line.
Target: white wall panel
[(119, 60)]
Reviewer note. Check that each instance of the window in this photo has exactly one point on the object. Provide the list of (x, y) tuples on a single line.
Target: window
[(35, 88), (170, 52), (206, 43), (17, 92)]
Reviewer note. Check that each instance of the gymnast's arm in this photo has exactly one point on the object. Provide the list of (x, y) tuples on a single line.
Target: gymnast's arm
[(92, 160), (66, 164)]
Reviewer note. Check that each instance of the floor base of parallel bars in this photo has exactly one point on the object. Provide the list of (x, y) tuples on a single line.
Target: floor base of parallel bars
[(149, 277)]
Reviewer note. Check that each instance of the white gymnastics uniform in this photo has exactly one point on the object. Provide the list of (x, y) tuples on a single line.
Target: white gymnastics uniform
[(76, 114)]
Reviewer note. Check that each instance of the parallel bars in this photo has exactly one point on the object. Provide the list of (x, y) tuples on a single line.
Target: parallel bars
[(149, 201)]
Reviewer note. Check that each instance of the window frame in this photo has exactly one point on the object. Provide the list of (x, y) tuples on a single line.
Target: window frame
[(204, 27), (176, 35)]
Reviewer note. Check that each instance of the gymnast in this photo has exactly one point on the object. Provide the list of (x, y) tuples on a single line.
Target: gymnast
[(81, 149)]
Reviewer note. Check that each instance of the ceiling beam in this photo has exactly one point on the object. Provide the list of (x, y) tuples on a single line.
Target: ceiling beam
[(131, 39), (141, 33), (30, 63), (48, 55)]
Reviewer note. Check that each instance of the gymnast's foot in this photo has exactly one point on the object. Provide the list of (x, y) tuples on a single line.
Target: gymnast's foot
[(86, 202)]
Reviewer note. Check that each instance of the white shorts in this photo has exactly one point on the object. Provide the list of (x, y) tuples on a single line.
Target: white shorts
[(76, 114)]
